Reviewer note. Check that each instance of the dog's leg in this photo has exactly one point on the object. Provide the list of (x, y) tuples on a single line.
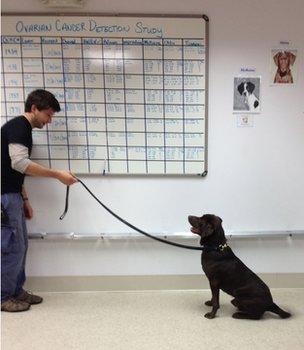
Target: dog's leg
[(250, 309), (245, 316), (235, 302), (214, 301), (209, 302)]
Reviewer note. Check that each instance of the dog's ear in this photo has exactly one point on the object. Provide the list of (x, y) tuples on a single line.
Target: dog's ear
[(209, 224), (240, 88), (291, 57), (217, 222), (276, 58), (250, 87)]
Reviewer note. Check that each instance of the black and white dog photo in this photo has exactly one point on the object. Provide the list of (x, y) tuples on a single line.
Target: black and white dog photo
[(246, 95)]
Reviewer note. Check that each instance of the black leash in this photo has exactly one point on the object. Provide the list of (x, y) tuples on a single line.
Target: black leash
[(66, 202), (124, 221)]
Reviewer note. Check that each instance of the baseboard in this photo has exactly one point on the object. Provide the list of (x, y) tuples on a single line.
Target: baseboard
[(151, 282)]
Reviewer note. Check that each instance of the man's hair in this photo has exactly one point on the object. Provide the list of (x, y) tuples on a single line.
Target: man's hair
[(42, 99)]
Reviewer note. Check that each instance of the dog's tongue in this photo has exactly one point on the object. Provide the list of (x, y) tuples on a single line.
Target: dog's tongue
[(194, 230)]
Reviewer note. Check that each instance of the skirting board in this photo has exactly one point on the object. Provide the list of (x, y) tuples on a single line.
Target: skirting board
[(151, 282)]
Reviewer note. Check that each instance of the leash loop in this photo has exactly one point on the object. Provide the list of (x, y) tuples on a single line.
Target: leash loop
[(66, 202), (124, 221)]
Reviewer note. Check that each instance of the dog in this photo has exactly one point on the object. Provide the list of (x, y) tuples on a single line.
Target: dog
[(228, 273), (246, 89), (284, 60)]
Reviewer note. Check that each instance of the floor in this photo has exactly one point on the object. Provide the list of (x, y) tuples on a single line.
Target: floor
[(150, 320)]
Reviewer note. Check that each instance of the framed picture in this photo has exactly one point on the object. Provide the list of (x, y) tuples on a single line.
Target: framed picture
[(283, 66), (246, 95)]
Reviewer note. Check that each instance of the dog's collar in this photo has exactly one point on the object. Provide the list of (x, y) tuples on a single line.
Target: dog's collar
[(220, 247)]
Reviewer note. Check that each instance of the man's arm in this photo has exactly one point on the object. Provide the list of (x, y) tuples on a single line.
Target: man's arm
[(21, 162), (24, 194), (28, 210), (35, 169)]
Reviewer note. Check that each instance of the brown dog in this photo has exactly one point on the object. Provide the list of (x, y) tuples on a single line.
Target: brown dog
[(284, 60), (226, 272)]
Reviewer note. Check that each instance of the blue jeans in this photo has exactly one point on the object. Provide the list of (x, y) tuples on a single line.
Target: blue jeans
[(14, 243)]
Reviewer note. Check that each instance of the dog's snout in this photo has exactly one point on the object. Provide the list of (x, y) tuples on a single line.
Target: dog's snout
[(193, 220)]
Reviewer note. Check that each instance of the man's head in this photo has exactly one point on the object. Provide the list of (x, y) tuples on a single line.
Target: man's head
[(41, 105)]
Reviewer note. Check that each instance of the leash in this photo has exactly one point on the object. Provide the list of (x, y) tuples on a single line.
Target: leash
[(122, 220)]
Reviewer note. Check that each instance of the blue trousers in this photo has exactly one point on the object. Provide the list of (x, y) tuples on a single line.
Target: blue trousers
[(14, 243)]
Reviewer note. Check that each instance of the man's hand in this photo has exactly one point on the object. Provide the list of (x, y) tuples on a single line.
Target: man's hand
[(66, 177), (28, 210)]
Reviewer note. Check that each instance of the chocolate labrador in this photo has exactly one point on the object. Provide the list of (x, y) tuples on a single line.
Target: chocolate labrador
[(225, 271), (284, 60)]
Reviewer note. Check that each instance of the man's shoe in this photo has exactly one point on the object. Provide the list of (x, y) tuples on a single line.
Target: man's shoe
[(29, 298), (13, 305)]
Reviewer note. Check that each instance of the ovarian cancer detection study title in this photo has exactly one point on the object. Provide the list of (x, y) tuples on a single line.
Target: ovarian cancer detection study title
[(88, 26)]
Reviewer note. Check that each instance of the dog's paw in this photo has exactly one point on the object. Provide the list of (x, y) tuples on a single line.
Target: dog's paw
[(208, 303), (209, 315)]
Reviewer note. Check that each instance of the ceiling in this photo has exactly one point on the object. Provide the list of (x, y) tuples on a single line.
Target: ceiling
[(110, 6)]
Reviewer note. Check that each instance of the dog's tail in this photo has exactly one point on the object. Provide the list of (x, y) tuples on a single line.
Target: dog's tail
[(277, 310)]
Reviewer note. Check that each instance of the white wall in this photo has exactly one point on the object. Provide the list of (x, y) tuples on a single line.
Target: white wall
[(256, 175)]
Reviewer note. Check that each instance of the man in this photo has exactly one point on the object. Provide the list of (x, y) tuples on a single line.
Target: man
[(16, 146)]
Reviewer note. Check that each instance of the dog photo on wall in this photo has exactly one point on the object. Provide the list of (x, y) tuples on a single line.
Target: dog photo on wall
[(247, 95), (283, 66)]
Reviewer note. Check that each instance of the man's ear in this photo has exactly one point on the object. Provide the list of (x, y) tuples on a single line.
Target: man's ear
[(34, 108)]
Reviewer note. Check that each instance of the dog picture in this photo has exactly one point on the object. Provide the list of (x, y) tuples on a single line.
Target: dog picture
[(283, 61), (246, 95), (246, 89), (226, 272)]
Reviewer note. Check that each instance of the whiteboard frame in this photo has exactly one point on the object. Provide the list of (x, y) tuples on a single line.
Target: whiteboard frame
[(288, 234), (203, 17)]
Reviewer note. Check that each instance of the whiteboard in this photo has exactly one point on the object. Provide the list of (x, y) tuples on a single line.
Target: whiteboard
[(133, 90)]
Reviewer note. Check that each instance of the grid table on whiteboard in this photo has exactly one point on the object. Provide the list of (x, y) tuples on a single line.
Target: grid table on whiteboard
[(128, 105)]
